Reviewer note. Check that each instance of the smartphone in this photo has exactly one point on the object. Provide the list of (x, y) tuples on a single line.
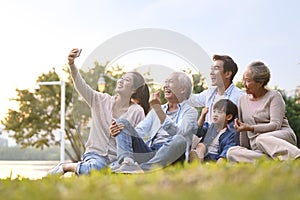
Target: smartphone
[(78, 53)]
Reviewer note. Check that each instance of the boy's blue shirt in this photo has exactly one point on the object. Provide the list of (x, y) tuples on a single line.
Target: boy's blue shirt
[(226, 140)]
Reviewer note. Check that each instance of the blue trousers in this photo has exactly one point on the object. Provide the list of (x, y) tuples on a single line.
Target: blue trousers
[(129, 144)]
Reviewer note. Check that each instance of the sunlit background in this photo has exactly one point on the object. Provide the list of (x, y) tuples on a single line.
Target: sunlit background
[(36, 36)]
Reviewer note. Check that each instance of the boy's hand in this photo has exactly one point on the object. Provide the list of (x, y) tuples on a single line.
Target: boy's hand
[(201, 119), (204, 111)]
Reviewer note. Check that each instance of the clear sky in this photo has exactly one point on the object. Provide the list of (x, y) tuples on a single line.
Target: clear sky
[(36, 36)]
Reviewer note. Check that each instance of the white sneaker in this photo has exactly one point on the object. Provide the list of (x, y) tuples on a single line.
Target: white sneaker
[(114, 166), (58, 169), (128, 166)]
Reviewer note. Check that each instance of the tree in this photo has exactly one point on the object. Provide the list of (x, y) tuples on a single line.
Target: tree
[(199, 83), (37, 121), (239, 84), (293, 113)]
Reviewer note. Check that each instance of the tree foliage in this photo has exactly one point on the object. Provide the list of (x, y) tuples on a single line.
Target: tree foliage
[(38, 114), (293, 113), (239, 84), (36, 123)]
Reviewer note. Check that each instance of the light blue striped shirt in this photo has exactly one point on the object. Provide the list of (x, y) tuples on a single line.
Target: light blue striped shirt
[(207, 98)]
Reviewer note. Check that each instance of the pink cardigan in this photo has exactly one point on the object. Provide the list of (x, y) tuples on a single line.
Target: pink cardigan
[(268, 117), (99, 139)]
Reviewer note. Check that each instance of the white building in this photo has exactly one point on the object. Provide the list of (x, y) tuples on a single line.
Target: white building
[(5, 140)]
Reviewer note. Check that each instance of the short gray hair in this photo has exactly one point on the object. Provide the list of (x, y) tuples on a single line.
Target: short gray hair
[(260, 72)]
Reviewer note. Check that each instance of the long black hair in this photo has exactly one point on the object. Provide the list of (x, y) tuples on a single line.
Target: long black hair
[(142, 94)]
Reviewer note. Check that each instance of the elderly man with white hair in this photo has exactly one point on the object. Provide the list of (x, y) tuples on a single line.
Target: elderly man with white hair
[(163, 136)]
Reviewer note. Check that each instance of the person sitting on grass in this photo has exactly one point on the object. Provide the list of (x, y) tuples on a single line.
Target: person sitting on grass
[(216, 137), (168, 130), (222, 73), (100, 146), (262, 124)]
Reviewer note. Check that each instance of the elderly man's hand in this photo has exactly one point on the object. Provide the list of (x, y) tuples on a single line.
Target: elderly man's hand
[(155, 99)]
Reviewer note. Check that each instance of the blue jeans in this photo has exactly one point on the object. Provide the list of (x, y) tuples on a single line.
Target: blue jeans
[(91, 161), (129, 144), (167, 154)]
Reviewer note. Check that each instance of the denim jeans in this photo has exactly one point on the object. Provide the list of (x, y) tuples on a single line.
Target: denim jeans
[(130, 145), (167, 154), (91, 161)]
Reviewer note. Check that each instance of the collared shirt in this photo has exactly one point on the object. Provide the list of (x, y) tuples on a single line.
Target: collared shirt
[(207, 98), (185, 123), (162, 135)]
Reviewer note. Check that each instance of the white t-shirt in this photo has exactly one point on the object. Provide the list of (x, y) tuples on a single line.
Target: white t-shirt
[(214, 145), (218, 97)]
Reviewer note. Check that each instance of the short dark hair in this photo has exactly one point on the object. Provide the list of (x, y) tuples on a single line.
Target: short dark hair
[(229, 64), (228, 107)]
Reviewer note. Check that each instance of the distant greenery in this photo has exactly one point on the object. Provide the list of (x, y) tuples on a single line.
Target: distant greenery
[(29, 153), (293, 113), (267, 180)]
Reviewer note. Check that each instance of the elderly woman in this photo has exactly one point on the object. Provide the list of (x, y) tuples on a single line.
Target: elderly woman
[(264, 129)]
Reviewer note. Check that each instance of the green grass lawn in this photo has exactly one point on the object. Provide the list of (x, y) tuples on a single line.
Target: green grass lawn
[(263, 180)]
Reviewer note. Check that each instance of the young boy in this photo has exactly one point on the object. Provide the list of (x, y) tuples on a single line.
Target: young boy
[(216, 138)]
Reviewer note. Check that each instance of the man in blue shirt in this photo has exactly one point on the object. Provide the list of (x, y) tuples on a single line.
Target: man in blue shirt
[(167, 130), (222, 73)]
